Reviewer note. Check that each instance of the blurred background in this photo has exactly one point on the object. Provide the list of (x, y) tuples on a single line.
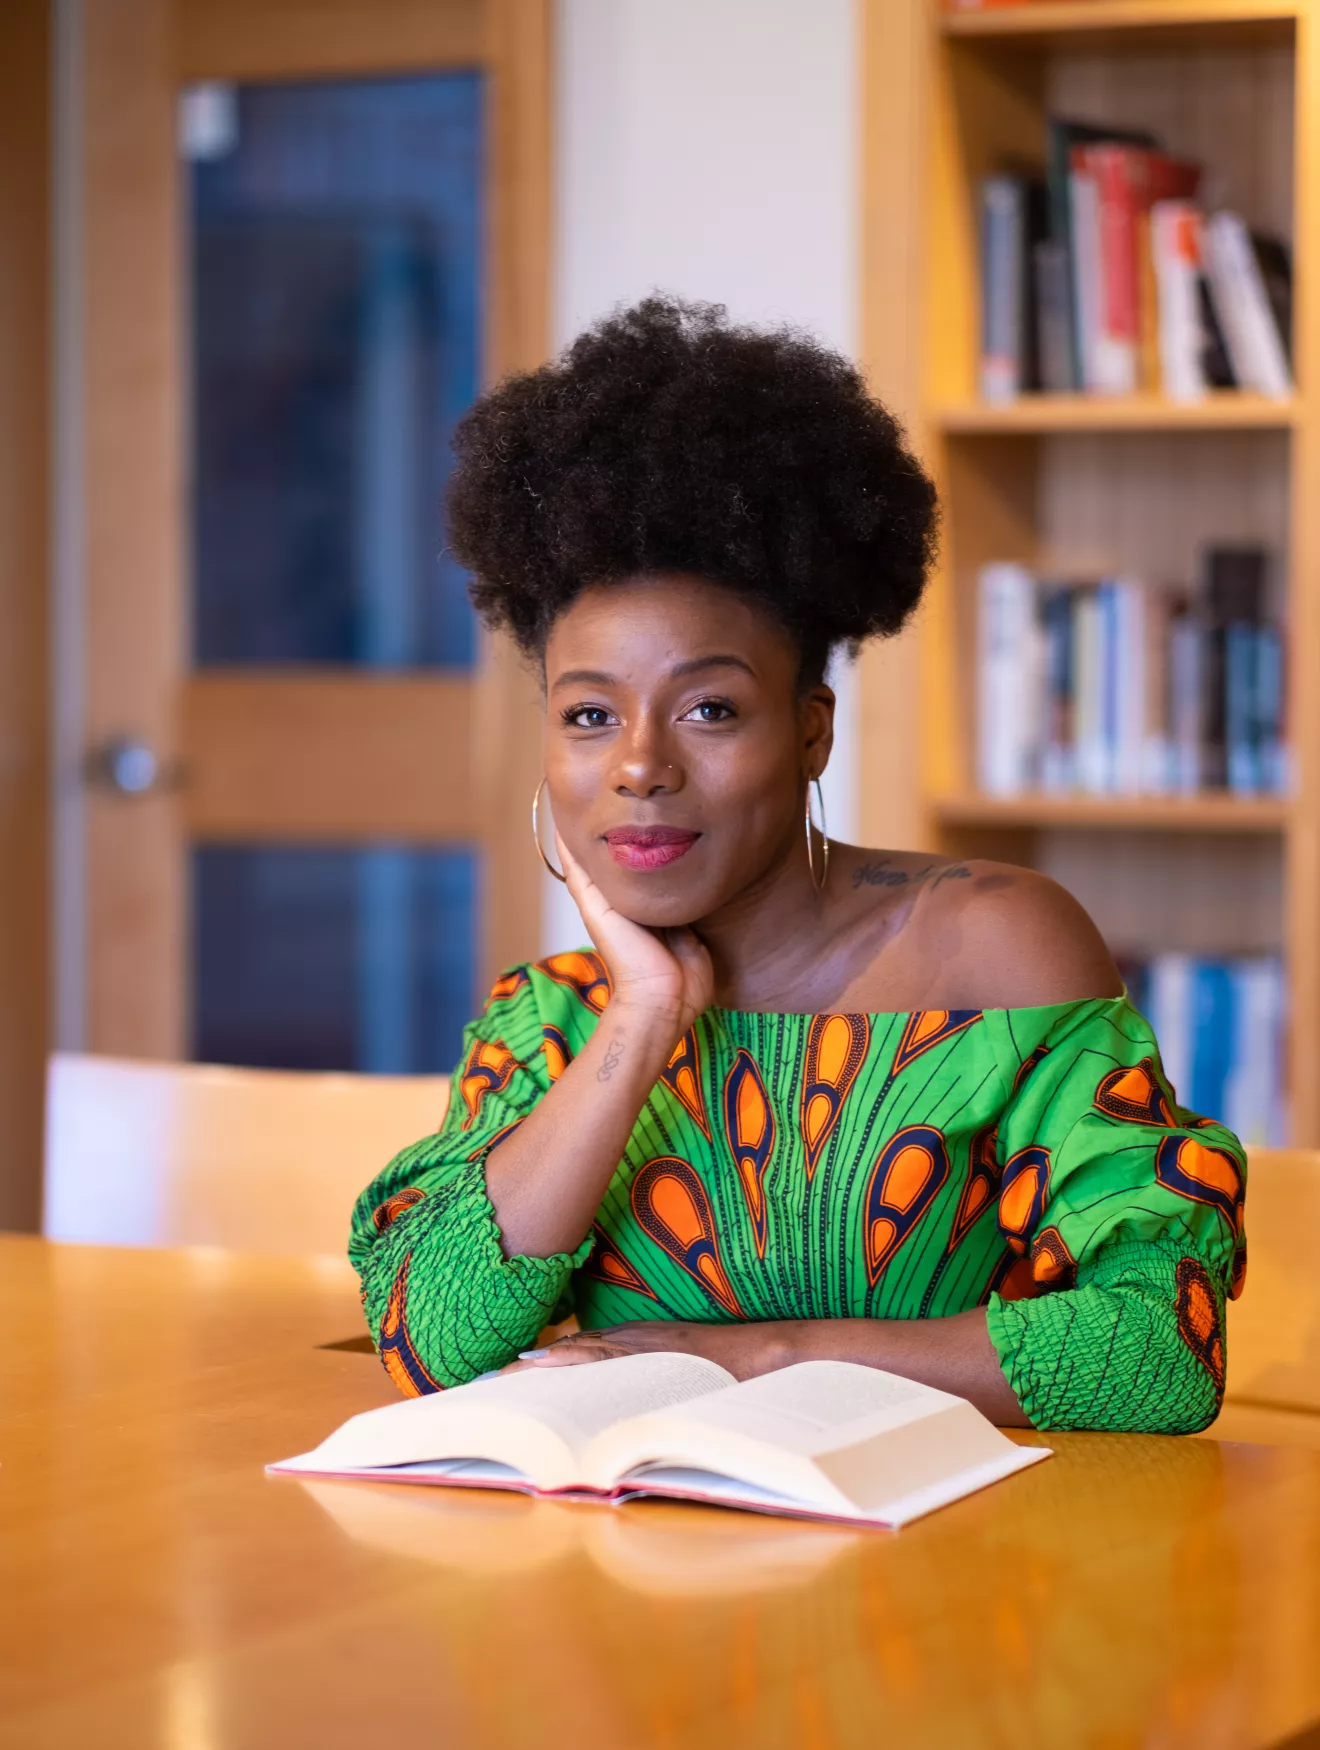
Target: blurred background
[(264, 784)]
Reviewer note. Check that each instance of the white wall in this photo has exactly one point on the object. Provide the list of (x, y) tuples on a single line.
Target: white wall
[(707, 147)]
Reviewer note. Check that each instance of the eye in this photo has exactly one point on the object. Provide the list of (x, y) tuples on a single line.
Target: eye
[(709, 711), (587, 717)]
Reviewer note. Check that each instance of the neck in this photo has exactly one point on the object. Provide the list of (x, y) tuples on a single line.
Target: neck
[(765, 941)]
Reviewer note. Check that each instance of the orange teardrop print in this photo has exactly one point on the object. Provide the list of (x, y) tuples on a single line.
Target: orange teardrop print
[(981, 1187), (1027, 1065), (673, 1209), (493, 1142), (749, 1124), (558, 1052), (608, 1264), (1052, 1264), (387, 1213), (508, 984), (928, 1027), (1198, 1318), (836, 1049), (1134, 1093), (395, 1348), (1022, 1196), (1239, 1268), (583, 974), (488, 1070), (1205, 1174), (682, 1076), (904, 1181)]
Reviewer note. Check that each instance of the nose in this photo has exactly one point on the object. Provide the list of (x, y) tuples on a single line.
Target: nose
[(645, 766)]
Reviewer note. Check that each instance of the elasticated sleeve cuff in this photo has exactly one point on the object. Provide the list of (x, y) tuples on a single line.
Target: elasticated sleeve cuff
[(1137, 1345)]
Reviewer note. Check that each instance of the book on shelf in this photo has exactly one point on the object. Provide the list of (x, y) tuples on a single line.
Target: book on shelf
[(1012, 226), (1111, 687), (1220, 1026), (820, 1440), (1110, 279)]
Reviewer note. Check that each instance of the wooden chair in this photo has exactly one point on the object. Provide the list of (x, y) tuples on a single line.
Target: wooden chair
[(167, 1154), (1273, 1390)]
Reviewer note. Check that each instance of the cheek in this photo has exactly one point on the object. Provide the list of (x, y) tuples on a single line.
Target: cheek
[(576, 778), (748, 787)]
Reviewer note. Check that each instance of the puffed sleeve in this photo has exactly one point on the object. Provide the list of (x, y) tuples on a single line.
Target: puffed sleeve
[(1122, 1212), (443, 1302)]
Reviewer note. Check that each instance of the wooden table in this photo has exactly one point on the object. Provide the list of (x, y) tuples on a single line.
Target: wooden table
[(158, 1590)]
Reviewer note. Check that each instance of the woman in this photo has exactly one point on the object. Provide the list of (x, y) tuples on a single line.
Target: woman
[(804, 1100)]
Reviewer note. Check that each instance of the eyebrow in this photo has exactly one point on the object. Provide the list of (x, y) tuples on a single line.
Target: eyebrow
[(593, 677)]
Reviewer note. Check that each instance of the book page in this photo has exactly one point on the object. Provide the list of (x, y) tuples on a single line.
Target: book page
[(538, 1421), (829, 1434)]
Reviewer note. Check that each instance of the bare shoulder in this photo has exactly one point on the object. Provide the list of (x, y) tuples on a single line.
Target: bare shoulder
[(1006, 937)]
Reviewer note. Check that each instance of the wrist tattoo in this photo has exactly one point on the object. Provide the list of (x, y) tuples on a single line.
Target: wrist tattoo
[(613, 1058)]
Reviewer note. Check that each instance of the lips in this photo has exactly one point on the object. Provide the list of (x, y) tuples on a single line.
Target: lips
[(649, 847)]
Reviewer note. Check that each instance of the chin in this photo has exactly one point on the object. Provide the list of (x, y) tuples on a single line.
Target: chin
[(650, 900)]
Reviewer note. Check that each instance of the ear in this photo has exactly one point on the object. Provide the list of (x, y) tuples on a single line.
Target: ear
[(817, 727)]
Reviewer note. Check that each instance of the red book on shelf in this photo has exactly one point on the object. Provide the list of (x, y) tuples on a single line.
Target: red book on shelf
[(1128, 180)]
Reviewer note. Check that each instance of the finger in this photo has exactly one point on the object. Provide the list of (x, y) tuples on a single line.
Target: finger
[(586, 895), (685, 945), (570, 1352)]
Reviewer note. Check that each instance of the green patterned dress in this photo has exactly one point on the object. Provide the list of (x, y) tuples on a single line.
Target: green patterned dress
[(1031, 1161)]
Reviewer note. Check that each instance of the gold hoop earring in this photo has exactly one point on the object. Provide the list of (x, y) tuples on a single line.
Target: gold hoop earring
[(824, 838), (536, 835)]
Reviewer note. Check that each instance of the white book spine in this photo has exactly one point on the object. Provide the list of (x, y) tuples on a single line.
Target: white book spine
[(1254, 346), (1186, 660), (1003, 222), (1130, 688), (1169, 1011), (1007, 676), (1242, 1083), (1175, 234), (1089, 683)]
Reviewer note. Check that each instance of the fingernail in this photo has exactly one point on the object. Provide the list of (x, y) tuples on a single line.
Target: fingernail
[(532, 1354), (490, 1373)]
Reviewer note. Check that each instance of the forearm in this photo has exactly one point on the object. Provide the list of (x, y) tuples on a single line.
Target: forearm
[(953, 1354), (545, 1181)]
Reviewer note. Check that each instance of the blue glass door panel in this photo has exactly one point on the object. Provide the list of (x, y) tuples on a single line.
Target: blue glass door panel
[(336, 341), (333, 958)]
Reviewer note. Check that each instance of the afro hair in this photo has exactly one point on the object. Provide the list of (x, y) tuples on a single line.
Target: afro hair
[(665, 439)]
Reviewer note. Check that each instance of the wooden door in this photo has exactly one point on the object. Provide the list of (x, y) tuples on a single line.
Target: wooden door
[(167, 755)]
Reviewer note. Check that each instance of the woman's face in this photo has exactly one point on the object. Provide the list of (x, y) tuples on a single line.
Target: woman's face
[(677, 744)]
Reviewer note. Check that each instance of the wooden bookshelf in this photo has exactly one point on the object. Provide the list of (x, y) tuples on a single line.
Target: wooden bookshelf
[(1123, 24), (1225, 410), (1080, 485), (1209, 813)]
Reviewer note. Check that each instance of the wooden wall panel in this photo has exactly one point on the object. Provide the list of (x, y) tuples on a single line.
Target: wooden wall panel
[(328, 758), (1191, 893), (134, 469), (1303, 887), (1230, 109), (895, 50), (286, 39), (507, 762), (1149, 504), (24, 507)]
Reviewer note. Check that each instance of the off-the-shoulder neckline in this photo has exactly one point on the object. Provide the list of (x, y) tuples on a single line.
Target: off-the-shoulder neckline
[(907, 1014)]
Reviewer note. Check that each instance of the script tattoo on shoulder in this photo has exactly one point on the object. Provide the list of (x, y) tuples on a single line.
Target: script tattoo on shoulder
[(884, 874), (612, 1059)]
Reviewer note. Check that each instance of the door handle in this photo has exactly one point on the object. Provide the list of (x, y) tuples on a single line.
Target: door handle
[(125, 766)]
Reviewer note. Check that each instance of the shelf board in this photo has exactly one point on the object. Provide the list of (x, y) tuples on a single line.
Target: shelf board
[(1209, 813), (1109, 24), (1222, 410)]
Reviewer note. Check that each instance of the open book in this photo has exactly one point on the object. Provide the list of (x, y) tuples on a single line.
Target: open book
[(822, 1439)]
